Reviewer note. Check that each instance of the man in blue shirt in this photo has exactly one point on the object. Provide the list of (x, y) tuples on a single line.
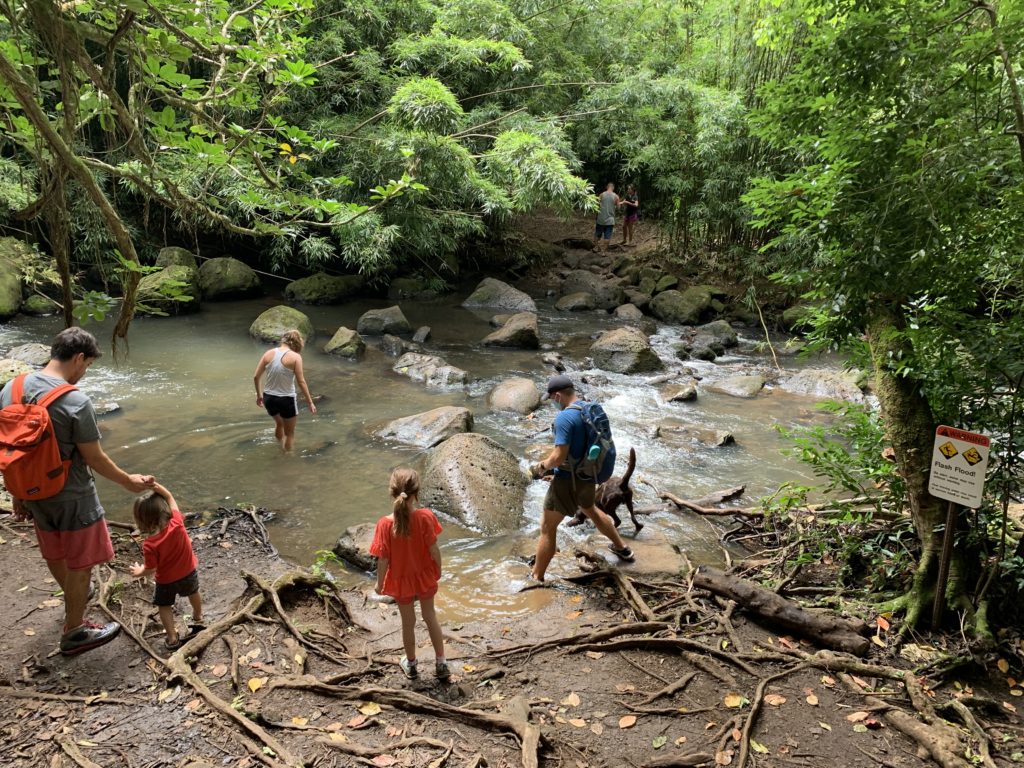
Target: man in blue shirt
[(566, 492)]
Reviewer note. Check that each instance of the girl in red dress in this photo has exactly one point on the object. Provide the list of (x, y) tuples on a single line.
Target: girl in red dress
[(409, 566)]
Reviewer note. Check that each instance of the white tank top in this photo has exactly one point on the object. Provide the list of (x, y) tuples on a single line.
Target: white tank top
[(279, 380)]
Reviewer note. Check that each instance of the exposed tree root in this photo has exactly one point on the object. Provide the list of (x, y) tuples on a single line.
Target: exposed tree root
[(755, 708), (681, 761), (669, 689), (666, 643), (590, 637)]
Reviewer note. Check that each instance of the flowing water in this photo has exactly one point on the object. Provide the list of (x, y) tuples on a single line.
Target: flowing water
[(188, 415)]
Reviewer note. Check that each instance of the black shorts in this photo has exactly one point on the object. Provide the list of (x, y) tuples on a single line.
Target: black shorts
[(166, 594), (281, 405)]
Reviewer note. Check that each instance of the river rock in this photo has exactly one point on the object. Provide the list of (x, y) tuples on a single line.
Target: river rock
[(497, 321), (11, 250), (322, 288), (173, 256), (11, 368), (625, 350), (227, 278), (739, 386), (353, 546), (682, 307), (518, 394), (380, 321), (393, 346), (629, 313), (476, 481), (421, 335), (410, 288), (607, 294), (666, 283), (271, 325), (32, 353), (638, 298), (796, 318), (713, 438), (429, 428), (432, 370), (346, 343), (580, 301), (646, 285), (518, 331), (717, 331), (495, 293), (825, 384), (153, 301), (39, 305), (683, 392)]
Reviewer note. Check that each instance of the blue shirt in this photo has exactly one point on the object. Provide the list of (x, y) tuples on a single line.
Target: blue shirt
[(569, 430)]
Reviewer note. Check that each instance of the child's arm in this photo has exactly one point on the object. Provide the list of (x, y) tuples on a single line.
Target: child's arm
[(141, 570), (166, 494), (382, 571), (435, 553)]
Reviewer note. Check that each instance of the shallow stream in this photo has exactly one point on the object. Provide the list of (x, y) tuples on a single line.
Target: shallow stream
[(188, 415)]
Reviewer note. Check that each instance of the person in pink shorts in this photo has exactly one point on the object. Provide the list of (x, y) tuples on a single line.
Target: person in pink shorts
[(409, 566)]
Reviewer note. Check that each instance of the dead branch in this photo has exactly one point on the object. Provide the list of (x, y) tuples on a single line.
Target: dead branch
[(632, 597), (352, 748), (670, 689), (702, 509), (682, 761), (24, 693)]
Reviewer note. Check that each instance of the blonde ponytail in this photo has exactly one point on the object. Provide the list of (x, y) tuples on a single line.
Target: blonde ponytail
[(405, 488)]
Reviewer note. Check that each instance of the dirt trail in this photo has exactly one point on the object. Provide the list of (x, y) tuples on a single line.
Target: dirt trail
[(618, 670)]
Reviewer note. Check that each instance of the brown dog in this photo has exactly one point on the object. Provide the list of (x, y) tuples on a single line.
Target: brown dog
[(613, 493)]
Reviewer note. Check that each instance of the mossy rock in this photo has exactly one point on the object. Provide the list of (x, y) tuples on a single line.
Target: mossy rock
[(346, 343), (322, 288), (228, 278), (410, 288), (666, 283), (153, 302), (39, 305), (684, 308), (172, 256), (11, 250), (11, 368), (271, 325)]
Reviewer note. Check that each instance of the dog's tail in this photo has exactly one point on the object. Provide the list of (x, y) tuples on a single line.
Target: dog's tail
[(629, 469)]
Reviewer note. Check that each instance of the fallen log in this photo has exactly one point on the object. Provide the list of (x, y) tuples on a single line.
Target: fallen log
[(830, 631)]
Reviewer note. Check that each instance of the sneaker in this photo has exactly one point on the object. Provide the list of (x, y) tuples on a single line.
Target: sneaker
[(409, 667), (623, 554), (441, 670), (88, 636)]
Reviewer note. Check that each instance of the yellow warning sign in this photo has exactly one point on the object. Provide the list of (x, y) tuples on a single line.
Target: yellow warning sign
[(949, 450), (972, 456)]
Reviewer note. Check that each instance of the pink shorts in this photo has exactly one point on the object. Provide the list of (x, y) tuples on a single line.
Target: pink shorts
[(421, 596), (80, 549)]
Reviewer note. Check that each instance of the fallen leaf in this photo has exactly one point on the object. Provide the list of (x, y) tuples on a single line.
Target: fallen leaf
[(734, 700), (383, 760), (370, 708), (829, 681), (860, 728), (30, 632), (680, 741), (774, 700), (736, 734), (255, 683), (226, 545), (86, 743), (659, 742), (873, 724), (219, 670), (1017, 692), (594, 654), (1004, 666), (856, 717), (826, 726), (571, 615), (193, 705), (882, 623), (878, 641), (392, 731), (724, 757), (787, 642), (576, 599), (300, 720), (761, 749), (332, 727), (339, 737), (578, 722), (596, 728), (169, 694), (572, 700), (560, 719), (861, 682), (812, 699), (1009, 706), (627, 721), (51, 603), (624, 687), (468, 668), (356, 721)]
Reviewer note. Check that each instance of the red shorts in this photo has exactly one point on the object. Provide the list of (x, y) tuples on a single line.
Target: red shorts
[(80, 549), (404, 600)]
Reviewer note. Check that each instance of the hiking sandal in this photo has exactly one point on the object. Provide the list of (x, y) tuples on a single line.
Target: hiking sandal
[(625, 554)]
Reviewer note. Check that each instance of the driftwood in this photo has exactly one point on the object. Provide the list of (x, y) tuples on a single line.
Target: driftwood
[(832, 632), (702, 506)]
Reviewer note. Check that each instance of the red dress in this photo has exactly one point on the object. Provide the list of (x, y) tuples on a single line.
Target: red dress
[(412, 572)]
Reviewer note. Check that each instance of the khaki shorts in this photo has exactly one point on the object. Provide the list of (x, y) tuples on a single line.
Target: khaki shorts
[(567, 494)]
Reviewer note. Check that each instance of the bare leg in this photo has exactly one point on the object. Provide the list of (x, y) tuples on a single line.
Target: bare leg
[(279, 430), (433, 626), (196, 601), (546, 542), (76, 591), (604, 524), (167, 619), (408, 614), (289, 433)]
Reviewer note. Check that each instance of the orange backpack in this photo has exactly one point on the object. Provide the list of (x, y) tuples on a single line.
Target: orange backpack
[(29, 453)]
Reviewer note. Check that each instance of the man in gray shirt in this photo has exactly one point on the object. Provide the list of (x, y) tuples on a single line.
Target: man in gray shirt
[(70, 526), (607, 201)]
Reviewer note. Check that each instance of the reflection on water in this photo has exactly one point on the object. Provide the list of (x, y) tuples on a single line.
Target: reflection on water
[(189, 416)]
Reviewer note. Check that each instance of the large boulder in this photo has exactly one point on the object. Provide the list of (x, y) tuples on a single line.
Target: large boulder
[(431, 370), (797, 317), (322, 288), (476, 481), (346, 343), (228, 278), (824, 384), (682, 307), (608, 294), (683, 434), (580, 301), (494, 293), (11, 368), (680, 392), (429, 428), (518, 331), (410, 288), (353, 546), (380, 321), (173, 256), (396, 346), (152, 293), (32, 353), (625, 350), (271, 325), (39, 305), (739, 386), (11, 250), (516, 394), (717, 332), (629, 313)]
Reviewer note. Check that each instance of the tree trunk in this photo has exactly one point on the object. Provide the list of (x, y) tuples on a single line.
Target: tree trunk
[(910, 429)]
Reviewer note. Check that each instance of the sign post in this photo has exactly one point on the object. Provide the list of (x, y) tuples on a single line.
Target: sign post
[(959, 461)]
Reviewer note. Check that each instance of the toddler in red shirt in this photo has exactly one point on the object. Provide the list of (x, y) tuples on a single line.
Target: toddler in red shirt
[(409, 566), (167, 554)]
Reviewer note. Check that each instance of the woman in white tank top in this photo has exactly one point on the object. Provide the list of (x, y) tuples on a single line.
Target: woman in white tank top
[(276, 393)]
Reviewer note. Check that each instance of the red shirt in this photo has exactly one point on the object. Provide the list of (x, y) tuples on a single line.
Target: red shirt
[(170, 551), (411, 569)]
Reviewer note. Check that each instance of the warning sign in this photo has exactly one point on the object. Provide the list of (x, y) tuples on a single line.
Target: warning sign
[(959, 460)]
